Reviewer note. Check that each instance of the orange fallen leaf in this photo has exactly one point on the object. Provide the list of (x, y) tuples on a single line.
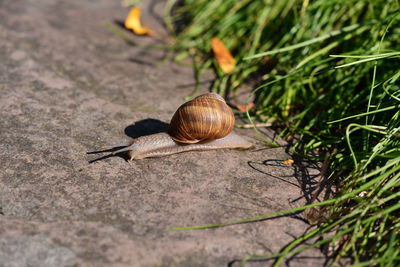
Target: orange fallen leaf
[(288, 162), (224, 58), (132, 22), (242, 108)]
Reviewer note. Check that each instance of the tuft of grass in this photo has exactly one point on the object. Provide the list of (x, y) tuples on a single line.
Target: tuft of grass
[(328, 72)]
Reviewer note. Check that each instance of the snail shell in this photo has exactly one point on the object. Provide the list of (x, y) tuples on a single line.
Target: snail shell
[(203, 119)]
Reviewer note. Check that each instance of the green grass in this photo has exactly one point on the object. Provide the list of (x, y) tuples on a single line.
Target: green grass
[(328, 74)]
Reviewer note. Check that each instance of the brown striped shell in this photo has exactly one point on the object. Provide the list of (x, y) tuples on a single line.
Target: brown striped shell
[(205, 118)]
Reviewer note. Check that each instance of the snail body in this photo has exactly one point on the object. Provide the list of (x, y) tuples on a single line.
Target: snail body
[(204, 123)]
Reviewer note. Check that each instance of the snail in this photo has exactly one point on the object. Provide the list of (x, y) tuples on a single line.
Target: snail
[(203, 123)]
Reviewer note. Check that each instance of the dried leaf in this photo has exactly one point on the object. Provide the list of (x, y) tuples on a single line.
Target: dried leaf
[(242, 108), (288, 162), (224, 58), (132, 22)]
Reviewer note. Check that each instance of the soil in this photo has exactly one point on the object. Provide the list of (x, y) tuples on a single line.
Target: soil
[(69, 85)]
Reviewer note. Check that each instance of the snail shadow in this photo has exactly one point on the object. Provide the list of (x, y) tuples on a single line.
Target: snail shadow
[(135, 130), (146, 127)]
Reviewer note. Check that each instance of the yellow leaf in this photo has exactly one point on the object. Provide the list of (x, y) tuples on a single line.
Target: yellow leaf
[(288, 162), (132, 22), (243, 108), (224, 58)]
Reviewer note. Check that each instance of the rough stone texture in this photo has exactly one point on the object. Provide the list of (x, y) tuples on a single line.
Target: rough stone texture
[(69, 85)]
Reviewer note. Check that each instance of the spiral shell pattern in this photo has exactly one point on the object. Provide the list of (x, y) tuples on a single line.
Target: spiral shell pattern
[(205, 118)]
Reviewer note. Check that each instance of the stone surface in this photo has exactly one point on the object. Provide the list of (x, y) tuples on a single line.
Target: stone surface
[(69, 85)]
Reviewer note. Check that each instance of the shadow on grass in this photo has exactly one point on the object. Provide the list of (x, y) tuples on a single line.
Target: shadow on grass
[(271, 261), (310, 177)]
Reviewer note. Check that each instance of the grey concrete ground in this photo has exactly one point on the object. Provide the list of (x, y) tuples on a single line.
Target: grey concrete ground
[(69, 85)]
